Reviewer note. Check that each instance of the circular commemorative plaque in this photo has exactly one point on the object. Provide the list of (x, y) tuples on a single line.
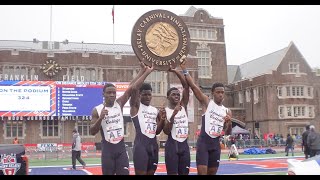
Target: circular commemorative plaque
[(161, 38)]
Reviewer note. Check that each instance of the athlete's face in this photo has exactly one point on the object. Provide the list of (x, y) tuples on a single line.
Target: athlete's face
[(218, 94), (109, 95), (145, 97), (174, 97)]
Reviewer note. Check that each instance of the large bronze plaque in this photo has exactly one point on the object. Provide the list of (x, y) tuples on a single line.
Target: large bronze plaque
[(161, 38)]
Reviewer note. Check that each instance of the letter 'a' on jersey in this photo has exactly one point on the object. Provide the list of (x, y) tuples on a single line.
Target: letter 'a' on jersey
[(214, 119), (112, 124), (180, 128)]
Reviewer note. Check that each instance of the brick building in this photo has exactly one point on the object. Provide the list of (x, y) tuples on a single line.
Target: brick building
[(278, 92)]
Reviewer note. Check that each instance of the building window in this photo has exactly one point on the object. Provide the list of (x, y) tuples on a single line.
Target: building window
[(204, 64), (296, 92), (202, 34), (50, 128), (310, 111), (212, 34), (14, 128), (289, 111), (240, 97), (158, 81), (255, 95), (296, 130), (87, 75), (309, 91), (279, 91), (84, 127), (193, 33), (298, 111), (288, 91), (293, 91), (301, 91), (318, 72), (281, 112), (248, 99), (294, 68)]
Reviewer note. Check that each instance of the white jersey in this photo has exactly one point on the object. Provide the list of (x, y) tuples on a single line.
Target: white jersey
[(214, 119), (112, 125), (147, 116), (180, 128)]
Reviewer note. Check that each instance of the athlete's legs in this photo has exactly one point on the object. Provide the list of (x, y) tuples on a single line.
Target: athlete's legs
[(214, 161), (212, 170), (107, 163), (122, 163), (202, 158), (153, 159), (202, 169), (140, 159), (73, 159), (184, 162), (171, 159), (80, 159)]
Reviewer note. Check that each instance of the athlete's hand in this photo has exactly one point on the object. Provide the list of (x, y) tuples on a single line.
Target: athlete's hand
[(104, 111), (162, 114), (150, 69), (227, 118), (143, 65), (171, 69), (183, 61), (177, 108)]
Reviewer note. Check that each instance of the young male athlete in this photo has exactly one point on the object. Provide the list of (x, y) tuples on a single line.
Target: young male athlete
[(215, 119), (108, 119), (177, 152), (148, 123)]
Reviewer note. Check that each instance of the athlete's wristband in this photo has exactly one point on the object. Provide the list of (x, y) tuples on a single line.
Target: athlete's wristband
[(185, 72)]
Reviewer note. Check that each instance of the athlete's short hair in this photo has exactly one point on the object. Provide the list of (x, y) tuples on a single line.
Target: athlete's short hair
[(108, 85), (145, 86), (307, 127), (171, 89), (215, 85)]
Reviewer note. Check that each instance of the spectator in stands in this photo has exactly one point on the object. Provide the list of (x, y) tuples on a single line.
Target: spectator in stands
[(289, 145), (313, 142), (304, 142), (76, 149), (15, 140)]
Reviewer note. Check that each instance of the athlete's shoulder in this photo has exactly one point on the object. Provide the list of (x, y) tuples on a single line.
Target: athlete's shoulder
[(153, 108), (99, 106)]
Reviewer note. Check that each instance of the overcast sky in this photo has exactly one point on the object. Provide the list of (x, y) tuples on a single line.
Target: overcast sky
[(250, 31)]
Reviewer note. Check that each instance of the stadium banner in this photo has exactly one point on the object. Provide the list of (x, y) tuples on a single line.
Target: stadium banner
[(27, 98), (53, 100), (50, 147)]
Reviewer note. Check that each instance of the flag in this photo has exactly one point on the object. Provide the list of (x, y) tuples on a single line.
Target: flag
[(112, 14)]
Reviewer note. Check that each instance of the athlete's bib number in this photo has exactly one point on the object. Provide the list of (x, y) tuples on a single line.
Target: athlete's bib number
[(115, 133), (216, 130), (151, 128), (181, 132)]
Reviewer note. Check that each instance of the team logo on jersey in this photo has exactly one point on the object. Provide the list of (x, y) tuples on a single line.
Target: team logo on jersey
[(9, 164)]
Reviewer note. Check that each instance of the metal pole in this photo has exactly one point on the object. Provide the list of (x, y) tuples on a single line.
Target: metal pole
[(113, 28), (50, 22)]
